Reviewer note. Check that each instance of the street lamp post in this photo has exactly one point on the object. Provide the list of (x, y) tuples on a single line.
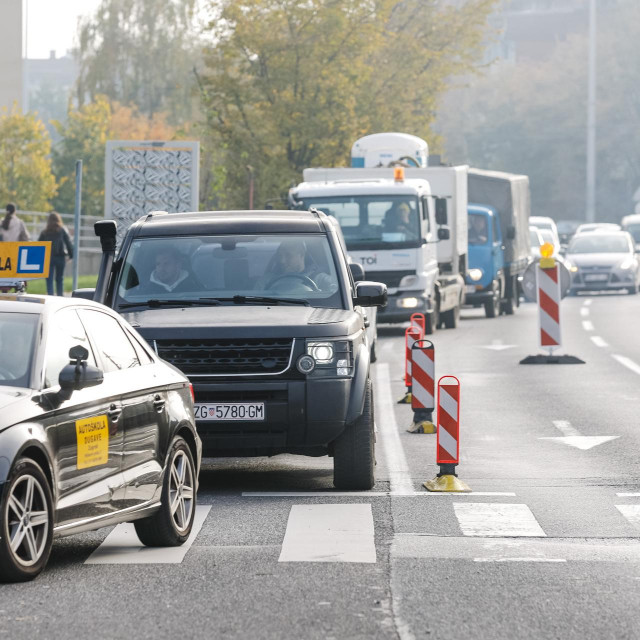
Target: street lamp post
[(591, 117)]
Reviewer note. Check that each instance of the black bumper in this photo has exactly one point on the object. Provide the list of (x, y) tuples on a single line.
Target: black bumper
[(301, 416)]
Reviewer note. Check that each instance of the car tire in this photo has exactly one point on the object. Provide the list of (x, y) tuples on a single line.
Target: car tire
[(373, 355), (354, 450), (632, 291), (26, 498), (450, 318), (171, 525)]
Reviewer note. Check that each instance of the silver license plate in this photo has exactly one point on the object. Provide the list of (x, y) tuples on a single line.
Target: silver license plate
[(230, 411), (596, 277), (471, 288)]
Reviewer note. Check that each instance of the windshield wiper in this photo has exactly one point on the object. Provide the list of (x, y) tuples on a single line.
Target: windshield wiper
[(259, 299), (156, 302)]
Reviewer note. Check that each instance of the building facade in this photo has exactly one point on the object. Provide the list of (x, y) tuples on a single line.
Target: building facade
[(11, 70)]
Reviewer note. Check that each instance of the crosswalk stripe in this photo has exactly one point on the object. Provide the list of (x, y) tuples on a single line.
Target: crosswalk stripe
[(631, 512), (497, 520), (122, 545), (329, 533)]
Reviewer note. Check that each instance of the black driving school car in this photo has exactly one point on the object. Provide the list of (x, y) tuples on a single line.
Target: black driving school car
[(94, 430), (261, 311)]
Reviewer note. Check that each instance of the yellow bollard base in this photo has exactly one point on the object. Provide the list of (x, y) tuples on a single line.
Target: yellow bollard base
[(406, 398), (450, 484), (423, 426)]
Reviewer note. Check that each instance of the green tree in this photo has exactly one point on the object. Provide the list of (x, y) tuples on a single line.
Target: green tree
[(290, 84), (140, 52), (26, 177)]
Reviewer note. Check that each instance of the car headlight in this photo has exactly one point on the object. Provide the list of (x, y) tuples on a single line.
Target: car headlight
[(627, 263), (408, 303), (332, 358), (475, 274)]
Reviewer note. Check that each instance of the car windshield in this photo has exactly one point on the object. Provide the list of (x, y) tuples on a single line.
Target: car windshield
[(370, 222), (230, 269), (634, 230), (17, 345), (600, 243), (547, 236), (535, 238), (477, 232)]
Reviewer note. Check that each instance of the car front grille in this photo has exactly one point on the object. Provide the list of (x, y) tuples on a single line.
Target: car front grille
[(252, 356), (390, 278)]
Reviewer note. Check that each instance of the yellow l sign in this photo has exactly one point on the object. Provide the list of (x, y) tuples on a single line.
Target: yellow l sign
[(24, 259)]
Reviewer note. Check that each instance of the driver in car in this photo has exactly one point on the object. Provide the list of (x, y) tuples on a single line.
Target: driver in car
[(15, 351), (292, 263)]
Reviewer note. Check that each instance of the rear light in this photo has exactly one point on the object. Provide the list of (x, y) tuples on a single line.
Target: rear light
[(193, 395)]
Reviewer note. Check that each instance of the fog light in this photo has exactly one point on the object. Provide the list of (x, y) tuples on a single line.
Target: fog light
[(475, 274), (408, 303), (306, 364)]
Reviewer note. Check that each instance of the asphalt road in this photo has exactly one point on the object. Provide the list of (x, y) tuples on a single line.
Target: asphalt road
[(544, 547)]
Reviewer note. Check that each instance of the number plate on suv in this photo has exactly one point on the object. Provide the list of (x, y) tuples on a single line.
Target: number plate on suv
[(226, 411)]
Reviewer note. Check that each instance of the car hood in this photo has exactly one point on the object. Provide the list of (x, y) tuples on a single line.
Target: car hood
[(244, 321), (14, 405), (596, 259)]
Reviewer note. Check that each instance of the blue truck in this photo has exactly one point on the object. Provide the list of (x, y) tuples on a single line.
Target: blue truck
[(499, 244)]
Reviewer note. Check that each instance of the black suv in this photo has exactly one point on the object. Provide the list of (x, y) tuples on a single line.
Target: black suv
[(260, 310)]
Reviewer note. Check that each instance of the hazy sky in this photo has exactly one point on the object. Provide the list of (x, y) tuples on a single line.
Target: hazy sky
[(52, 24)]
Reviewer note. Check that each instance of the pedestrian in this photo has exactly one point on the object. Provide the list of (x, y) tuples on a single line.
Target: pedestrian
[(56, 233), (12, 228)]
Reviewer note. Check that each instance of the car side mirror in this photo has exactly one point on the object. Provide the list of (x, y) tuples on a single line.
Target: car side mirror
[(86, 294), (357, 271), (441, 211), (370, 294), (78, 374), (444, 233), (511, 233)]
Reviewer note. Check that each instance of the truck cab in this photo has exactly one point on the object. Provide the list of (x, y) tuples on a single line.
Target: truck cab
[(485, 278)]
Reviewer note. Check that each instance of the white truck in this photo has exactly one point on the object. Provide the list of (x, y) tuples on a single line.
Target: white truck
[(406, 225)]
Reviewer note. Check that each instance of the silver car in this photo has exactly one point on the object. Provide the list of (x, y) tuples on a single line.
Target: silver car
[(603, 261)]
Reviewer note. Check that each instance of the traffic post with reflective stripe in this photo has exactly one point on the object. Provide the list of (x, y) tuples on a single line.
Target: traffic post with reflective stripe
[(418, 320), (411, 334), (448, 443), (422, 386)]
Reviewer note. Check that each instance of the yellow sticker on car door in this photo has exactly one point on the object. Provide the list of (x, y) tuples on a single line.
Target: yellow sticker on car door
[(93, 441)]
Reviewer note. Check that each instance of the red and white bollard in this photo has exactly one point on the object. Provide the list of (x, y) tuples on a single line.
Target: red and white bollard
[(549, 297), (418, 320), (448, 444), (411, 334), (423, 377)]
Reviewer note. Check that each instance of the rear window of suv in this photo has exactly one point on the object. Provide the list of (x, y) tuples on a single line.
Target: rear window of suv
[(289, 267)]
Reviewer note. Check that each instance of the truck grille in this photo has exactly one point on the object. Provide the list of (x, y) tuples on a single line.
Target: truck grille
[(390, 278), (253, 356)]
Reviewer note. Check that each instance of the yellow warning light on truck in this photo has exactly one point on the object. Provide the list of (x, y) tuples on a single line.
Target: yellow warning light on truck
[(398, 174)]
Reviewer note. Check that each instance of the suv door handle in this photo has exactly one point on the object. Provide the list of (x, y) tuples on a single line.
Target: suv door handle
[(114, 413), (158, 403)]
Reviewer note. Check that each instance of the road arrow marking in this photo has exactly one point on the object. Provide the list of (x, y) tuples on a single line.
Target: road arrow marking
[(572, 437), (497, 345), (583, 442)]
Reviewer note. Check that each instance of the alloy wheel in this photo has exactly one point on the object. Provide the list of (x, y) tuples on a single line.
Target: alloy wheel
[(28, 520), (181, 492)]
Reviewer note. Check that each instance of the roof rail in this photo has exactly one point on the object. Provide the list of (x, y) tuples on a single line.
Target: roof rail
[(156, 213)]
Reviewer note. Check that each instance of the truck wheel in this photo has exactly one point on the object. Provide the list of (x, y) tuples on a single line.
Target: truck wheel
[(491, 308), (510, 303), (354, 450), (450, 318), (171, 525)]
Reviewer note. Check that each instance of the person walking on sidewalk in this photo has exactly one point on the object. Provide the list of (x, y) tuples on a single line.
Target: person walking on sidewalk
[(12, 229), (56, 233)]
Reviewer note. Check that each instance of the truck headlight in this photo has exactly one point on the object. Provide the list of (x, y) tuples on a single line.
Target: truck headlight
[(475, 274), (408, 303), (332, 358)]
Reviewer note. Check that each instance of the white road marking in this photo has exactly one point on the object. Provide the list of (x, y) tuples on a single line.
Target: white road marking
[(490, 520), (122, 545), (367, 494), (628, 495), (496, 345), (631, 512), (329, 533), (584, 311), (519, 559), (421, 546), (627, 362), (587, 325), (587, 302), (574, 438), (598, 341), (583, 442), (399, 475)]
